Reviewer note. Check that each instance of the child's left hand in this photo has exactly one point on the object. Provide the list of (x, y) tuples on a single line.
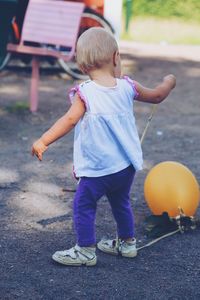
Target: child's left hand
[(38, 149)]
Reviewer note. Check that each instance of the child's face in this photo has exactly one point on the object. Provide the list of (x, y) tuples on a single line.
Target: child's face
[(117, 65)]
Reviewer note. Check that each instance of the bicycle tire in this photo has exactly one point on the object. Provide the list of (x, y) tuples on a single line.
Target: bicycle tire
[(4, 60), (71, 67)]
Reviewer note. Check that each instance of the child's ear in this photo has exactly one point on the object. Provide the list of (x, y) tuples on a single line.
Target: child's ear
[(116, 57)]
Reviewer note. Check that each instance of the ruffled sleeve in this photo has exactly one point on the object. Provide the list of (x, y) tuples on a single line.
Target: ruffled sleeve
[(130, 81), (76, 90)]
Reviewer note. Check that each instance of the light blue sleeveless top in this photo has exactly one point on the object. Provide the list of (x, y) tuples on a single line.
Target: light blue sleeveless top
[(106, 140)]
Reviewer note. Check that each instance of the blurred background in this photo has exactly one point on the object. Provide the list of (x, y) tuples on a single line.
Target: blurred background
[(147, 21), (158, 21)]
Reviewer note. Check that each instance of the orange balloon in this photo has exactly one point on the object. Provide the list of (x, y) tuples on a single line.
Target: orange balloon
[(169, 187)]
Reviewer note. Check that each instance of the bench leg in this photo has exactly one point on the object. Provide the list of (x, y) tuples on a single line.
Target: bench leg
[(34, 85)]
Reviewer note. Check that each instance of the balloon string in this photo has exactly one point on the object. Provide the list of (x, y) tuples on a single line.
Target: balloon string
[(155, 106), (158, 239)]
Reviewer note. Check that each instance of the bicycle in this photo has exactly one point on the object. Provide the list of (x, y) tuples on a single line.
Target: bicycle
[(90, 18)]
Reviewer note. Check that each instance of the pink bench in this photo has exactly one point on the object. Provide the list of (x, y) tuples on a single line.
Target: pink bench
[(48, 22)]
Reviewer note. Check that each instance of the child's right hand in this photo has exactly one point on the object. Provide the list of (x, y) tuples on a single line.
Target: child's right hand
[(38, 149)]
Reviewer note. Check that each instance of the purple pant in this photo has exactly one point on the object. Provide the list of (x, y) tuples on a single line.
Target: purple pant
[(90, 189)]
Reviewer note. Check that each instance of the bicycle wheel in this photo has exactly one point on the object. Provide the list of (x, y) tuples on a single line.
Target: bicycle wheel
[(4, 59), (6, 56), (90, 18)]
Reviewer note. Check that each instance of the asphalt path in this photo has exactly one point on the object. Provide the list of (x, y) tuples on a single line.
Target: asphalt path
[(36, 201)]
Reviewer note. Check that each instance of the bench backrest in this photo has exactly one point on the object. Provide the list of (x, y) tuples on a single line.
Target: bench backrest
[(52, 22)]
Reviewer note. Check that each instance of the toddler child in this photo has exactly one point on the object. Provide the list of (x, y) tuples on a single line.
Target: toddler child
[(107, 150)]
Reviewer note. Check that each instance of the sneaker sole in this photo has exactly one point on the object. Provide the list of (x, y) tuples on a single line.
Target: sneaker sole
[(129, 254), (76, 264), (105, 250)]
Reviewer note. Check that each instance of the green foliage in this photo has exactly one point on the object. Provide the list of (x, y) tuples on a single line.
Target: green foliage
[(187, 9), (18, 107), (166, 30)]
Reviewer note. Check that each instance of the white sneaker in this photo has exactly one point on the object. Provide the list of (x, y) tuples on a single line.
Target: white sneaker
[(76, 256), (117, 246)]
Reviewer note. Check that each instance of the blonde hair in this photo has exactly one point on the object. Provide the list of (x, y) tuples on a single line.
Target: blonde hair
[(95, 48)]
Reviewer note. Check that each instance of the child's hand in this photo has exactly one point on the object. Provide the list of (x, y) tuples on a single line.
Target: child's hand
[(171, 79), (38, 149)]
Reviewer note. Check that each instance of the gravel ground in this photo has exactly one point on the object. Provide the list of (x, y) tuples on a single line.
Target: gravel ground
[(36, 209)]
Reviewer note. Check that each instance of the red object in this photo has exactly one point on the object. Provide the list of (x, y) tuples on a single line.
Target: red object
[(16, 30), (97, 5)]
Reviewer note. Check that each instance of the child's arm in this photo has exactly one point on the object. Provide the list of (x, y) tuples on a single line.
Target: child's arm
[(159, 93), (60, 128)]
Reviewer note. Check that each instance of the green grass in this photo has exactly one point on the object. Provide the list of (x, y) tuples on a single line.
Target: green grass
[(18, 107), (187, 9), (156, 30)]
